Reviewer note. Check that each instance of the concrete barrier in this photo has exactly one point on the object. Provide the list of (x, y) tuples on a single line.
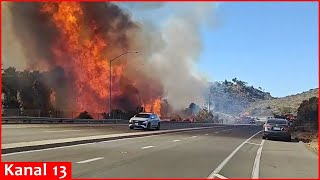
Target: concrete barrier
[(44, 120)]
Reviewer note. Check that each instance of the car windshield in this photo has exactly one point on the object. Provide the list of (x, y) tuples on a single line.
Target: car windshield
[(143, 115), (274, 121)]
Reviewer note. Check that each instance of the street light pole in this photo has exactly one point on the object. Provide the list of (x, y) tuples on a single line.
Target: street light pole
[(110, 90), (110, 78)]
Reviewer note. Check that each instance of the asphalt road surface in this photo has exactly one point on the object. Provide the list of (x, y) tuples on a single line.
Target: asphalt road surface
[(15, 133), (230, 152)]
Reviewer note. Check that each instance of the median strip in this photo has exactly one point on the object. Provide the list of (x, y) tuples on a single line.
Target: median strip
[(36, 145)]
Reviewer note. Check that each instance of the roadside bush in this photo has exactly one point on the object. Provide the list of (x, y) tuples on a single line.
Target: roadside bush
[(205, 115), (307, 117), (84, 115)]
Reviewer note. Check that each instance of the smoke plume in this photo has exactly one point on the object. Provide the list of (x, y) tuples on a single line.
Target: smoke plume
[(74, 45)]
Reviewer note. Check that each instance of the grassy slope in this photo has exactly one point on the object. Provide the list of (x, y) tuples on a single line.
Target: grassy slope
[(267, 107)]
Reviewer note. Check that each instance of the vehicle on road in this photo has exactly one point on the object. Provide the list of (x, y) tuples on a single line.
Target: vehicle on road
[(277, 128), (145, 120)]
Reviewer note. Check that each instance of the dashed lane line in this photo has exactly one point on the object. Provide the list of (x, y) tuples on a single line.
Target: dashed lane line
[(90, 160), (62, 131), (147, 147)]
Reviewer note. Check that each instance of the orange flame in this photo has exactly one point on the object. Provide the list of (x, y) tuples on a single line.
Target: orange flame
[(53, 98), (154, 106), (80, 51)]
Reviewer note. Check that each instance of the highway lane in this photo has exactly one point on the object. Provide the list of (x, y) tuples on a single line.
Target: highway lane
[(192, 154), (15, 133)]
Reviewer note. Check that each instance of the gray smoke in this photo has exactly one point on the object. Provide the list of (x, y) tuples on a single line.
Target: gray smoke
[(142, 6), (172, 50)]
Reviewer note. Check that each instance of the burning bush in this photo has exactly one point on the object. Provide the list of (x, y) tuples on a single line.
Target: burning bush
[(84, 115)]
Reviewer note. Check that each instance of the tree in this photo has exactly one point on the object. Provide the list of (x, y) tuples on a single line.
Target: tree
[(27, 90), (192, 109), (10, 88), (204, 115), (165, 108), (35, 94)]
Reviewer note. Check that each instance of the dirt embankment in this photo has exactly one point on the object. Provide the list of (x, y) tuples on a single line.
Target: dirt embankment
[(310, 138)]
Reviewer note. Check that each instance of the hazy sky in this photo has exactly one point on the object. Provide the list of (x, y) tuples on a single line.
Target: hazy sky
[(272, 45)]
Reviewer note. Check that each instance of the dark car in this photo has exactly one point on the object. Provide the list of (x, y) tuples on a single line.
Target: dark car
[(277, 128)]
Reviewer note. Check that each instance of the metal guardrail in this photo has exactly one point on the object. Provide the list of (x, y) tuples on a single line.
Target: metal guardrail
[(42, 120), (48, 120)]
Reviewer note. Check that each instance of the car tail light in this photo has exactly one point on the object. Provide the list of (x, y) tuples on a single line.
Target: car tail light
[(267, 126)]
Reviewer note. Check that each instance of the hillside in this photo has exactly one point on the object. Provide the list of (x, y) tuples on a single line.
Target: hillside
[(288, 104), (232, 97)]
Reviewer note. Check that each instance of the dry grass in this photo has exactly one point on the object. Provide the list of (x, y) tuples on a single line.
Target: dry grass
[(268, 107), (311, 138), (313, 145)]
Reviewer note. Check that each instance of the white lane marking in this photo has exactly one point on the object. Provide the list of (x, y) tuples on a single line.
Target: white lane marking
[(90, 160), (253, 143), (220, 176), (76, 145), (225, 161), (124, 152), (177, 140), (224, 130), (193, 136), (147, 147), (62, 131), (206, 134), (216, 132), (256, 165)]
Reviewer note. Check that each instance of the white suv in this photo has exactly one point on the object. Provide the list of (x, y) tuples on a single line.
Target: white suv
[(145, 121)]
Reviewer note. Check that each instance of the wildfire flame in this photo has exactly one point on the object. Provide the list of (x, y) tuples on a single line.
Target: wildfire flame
[(154, 106), (81, 49), (53, 98)]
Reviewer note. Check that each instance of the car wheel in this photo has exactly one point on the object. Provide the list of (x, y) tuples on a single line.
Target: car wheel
[(158, 127), (131, 127), (264, 137), (149, 126)]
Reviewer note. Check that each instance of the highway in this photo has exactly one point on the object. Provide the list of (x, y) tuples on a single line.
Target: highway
[(15, 133), (218, 152)]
